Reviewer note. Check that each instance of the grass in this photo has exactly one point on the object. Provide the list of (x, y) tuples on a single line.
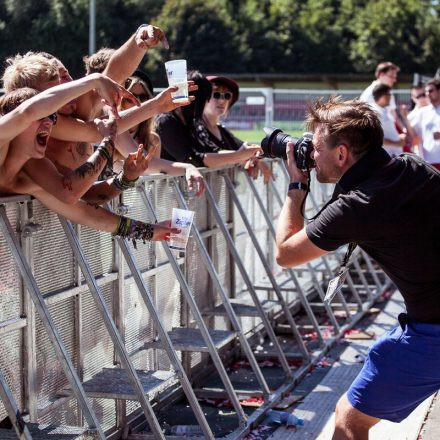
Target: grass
[(256, 135)]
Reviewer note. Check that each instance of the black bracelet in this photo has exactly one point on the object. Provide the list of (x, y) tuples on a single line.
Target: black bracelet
[(122, 183), (298, 185)]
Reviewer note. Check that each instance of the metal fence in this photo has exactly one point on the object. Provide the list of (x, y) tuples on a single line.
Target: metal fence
[(285, 108), (94, 330)]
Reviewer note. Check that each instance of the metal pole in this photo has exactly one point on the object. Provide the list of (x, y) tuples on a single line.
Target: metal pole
[(92, 27), (112, 330), (225, 300), (198, 317), (12, 409), (237, 259)]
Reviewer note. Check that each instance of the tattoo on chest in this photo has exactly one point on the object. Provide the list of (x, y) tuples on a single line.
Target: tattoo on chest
[(81, 148), (70, 150)]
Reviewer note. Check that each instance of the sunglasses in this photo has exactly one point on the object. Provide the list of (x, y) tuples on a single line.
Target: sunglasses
[(53, 117), (428, 91), (421, 95), (226, 96)]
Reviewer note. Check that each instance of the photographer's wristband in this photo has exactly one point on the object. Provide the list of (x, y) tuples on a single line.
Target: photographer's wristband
[(298, 185)]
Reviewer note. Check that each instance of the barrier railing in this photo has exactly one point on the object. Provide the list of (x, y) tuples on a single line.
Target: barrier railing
[(96, 331)]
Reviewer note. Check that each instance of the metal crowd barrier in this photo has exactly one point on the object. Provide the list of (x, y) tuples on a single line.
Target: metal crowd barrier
[(98, 335)]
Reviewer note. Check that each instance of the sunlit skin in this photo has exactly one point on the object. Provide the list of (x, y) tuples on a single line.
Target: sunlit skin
[(389, 78), (330, 163)]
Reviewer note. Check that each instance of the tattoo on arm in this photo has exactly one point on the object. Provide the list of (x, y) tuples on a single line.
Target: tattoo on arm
[(67, 183), (91, 167)]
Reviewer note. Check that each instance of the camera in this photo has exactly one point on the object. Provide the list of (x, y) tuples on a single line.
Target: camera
[(275, 142)]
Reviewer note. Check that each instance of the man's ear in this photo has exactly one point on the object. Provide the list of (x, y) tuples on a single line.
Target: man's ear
[(343, 154)]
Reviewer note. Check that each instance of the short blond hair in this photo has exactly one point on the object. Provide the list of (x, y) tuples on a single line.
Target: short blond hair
[(29, 70), (97, 62)]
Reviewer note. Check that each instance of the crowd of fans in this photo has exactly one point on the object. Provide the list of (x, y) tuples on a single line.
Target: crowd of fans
[(75, 145)]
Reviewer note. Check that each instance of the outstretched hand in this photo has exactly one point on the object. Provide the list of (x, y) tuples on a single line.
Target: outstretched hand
[(149, 36), (137, 163), (112, 93), (107, 127), (195, 180), (162, 231), (165, 101)]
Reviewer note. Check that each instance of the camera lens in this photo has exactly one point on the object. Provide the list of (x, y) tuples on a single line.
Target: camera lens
[(275, 143)]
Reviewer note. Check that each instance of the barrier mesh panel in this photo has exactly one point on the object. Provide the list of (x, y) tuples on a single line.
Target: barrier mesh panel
[(10, 289), (11, 365), (138, 323), (98, 248), (50, 377), (54, 265), (144, 253), (98, 350)]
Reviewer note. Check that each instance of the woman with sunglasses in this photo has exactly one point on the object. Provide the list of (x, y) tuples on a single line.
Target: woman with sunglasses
[(140, 85), (211, 133)]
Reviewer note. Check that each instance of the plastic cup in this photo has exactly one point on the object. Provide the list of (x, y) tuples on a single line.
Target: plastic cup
[(177, 76), (180, 218)]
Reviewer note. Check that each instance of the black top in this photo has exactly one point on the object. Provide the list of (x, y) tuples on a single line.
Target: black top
[(177, 141), (181, 144), (227, 142), (391, 210)]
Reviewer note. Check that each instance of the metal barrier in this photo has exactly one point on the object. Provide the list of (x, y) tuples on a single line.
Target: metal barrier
[(284, 108), (97, 333)]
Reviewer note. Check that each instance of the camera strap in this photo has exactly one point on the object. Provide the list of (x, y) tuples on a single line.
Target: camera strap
[(336, 283)]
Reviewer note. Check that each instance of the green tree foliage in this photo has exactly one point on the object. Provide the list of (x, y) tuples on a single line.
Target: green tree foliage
[(234, 36)]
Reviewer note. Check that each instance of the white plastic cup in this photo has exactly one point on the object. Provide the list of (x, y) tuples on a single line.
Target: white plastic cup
[(177, 76), (180, 218)]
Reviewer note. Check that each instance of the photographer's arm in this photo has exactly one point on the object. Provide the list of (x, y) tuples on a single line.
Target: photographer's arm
[(293, 245)]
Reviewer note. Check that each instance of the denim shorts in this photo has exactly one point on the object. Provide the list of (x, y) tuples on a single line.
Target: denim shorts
[(402, 370)]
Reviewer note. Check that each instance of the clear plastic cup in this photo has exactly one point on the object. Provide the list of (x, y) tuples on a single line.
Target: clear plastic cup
[(177, 76), (180, 218)]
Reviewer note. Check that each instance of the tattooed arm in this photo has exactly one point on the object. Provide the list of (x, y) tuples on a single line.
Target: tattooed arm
[(70, 187)]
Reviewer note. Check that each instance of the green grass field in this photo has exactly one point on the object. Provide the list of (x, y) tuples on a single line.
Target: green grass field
[(257, 135)]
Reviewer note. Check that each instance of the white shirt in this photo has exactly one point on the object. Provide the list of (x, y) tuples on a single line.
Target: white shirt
[(426, 122), (367, 96), (389, 129)]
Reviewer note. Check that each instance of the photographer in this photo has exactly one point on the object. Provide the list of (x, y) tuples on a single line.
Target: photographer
[(384, 206)]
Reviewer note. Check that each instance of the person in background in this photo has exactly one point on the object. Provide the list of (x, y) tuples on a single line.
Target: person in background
[(427, 125), (140, 85), (178, 134), (393, 141), (210, 131), (419, 99), (386, 73)]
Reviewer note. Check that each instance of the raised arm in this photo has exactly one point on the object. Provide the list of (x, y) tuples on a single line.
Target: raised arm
[(126, 59), (72, 129), (50, 100)]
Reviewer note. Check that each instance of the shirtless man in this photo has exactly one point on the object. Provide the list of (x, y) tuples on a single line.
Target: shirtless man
[(24, 130), (39, 71)]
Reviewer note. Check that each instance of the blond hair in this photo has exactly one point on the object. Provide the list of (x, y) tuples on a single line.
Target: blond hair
[(29, 70)]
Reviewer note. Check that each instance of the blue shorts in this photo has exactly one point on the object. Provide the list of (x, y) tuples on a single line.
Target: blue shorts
[(402, 370)]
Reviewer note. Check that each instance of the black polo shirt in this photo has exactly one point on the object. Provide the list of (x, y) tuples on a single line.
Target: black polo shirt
[(391, 209)]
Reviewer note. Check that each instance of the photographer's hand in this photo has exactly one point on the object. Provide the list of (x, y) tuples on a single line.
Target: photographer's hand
[(296, 175)]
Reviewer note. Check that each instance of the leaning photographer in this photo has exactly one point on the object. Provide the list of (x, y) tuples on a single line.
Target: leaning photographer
[(385, 206)]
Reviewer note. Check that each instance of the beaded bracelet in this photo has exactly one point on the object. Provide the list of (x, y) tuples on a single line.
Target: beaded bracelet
[(134, 230), (122, 183)]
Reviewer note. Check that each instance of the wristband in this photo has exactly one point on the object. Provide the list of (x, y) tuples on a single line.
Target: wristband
[(134, 230), (298, 185), (122, 183), (103, 148)]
